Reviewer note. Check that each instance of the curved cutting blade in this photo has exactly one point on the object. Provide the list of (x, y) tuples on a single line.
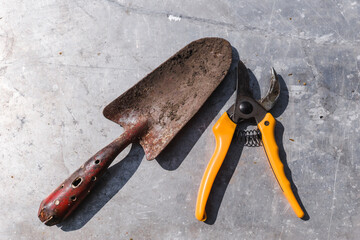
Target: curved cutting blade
[(273, 94)]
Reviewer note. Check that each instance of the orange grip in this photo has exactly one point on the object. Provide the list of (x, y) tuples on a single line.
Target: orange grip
[(223, 130), (267, 129)]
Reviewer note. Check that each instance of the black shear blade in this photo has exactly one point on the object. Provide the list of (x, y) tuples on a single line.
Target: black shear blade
[(242, 89), (242, 83)]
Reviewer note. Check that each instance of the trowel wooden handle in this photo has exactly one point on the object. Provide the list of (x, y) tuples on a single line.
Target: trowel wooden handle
[(64, 199)]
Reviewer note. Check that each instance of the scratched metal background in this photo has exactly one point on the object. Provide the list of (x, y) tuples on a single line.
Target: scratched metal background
[(61, 62)]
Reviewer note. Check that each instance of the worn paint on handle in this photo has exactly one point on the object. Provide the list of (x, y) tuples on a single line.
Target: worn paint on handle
[(65, 198)]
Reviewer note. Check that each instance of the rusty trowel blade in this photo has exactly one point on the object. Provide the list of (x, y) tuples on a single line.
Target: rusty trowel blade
[(171, 94)]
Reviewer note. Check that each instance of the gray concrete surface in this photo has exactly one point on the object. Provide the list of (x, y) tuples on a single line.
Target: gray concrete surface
[(61, 62)]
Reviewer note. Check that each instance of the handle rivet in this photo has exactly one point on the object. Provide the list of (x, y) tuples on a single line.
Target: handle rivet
[(246, 107), (266, 123)]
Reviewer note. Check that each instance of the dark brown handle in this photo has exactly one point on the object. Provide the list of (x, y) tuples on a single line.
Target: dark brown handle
[(64, 199)]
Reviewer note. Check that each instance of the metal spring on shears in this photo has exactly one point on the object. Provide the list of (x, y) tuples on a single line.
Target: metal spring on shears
[(250, 138)]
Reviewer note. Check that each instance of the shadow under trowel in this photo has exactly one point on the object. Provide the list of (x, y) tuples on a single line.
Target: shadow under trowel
[(180, 146), (109, 184)]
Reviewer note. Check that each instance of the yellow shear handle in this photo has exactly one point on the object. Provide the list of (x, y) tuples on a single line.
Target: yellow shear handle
[(267, 129), (223, 130)]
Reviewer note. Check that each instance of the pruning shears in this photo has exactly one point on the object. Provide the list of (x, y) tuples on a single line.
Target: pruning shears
[(245, 108)]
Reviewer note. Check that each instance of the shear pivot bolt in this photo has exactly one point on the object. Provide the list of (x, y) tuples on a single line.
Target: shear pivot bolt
[(246, 107)]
